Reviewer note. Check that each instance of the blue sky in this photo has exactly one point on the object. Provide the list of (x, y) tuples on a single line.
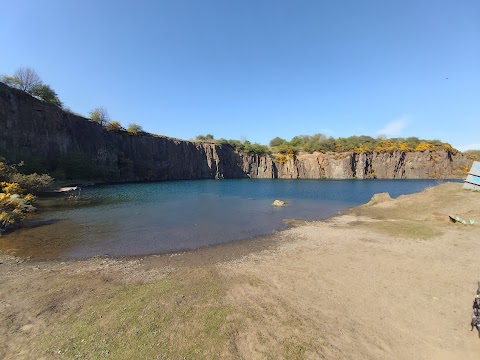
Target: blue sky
[(258, 69)]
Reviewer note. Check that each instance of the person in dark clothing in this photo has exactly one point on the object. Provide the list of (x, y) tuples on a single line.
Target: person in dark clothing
[(476, 306)]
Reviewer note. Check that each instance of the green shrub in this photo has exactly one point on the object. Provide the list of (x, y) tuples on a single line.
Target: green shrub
[(100, 116), (134, 129), (33, 183)]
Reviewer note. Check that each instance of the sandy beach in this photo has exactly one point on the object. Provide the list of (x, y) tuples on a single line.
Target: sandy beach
[(393, 280)]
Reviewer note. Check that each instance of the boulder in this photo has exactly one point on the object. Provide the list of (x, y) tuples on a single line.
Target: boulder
[(279, 203), (379, 198)]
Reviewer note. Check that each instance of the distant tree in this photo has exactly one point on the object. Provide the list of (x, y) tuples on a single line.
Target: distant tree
[(299, 141), (114, 126), (277, 141), (235, 144), (27, 79), (46, 93), (247, 146), (259, 149), (11, 81), (24, 79), (100, 116), (208, 137), (134, 128)]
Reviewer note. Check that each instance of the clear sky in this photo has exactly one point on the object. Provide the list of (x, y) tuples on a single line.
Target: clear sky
[(258, 69)]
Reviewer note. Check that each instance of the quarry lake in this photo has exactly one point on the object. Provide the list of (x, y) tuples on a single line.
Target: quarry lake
[(151, 218)]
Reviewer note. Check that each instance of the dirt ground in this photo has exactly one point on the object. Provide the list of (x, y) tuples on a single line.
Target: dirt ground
[(393, 280)]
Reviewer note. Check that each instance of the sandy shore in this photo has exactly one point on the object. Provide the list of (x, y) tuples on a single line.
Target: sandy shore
[(393, 280)]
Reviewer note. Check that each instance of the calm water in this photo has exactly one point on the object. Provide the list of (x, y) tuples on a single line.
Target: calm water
[(138, 219)]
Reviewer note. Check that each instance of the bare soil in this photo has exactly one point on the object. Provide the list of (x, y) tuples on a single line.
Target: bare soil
[(393, 280)]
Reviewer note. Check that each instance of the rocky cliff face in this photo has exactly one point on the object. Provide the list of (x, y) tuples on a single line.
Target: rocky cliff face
[(396, 165), (69, 146)]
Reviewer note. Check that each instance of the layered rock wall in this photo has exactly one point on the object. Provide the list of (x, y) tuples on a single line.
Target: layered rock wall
[(396, 165), (72, 147)]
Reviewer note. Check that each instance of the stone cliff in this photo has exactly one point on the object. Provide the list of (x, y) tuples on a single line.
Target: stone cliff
[(396, 165), (69, 146), (72, 147)]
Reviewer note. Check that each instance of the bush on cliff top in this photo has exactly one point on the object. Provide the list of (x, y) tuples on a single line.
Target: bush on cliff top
[(100, 116), (114, 126), (134, 129), (246, 146)]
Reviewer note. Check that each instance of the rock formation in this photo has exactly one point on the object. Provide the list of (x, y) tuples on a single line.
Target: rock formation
[(69, 146)]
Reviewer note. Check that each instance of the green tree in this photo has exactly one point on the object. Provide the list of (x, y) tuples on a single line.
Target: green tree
[(100, 116), (299, 141), (24, 79), (134, 128), (46, 93), (208, 137), (11, 81), (27, 79), (277, 141)]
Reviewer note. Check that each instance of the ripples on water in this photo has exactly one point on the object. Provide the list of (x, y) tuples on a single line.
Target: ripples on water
[(147, 218)]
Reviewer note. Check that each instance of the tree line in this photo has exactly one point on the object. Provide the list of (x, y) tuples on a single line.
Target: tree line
[(356, 144), (322, 143), (239, 145)]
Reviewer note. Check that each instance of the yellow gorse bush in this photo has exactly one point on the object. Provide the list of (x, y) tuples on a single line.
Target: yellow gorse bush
[(11, 210), (12, 205), (424, 146), (11, 188)]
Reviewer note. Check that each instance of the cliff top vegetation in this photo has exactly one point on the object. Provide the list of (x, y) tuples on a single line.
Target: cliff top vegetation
[(322, 143), (26, 79)]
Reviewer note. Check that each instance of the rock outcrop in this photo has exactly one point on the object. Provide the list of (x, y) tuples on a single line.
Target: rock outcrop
[(69, 146)]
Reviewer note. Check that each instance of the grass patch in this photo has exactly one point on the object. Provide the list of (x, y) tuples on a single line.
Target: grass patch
[(406, 229), (179, 318)]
